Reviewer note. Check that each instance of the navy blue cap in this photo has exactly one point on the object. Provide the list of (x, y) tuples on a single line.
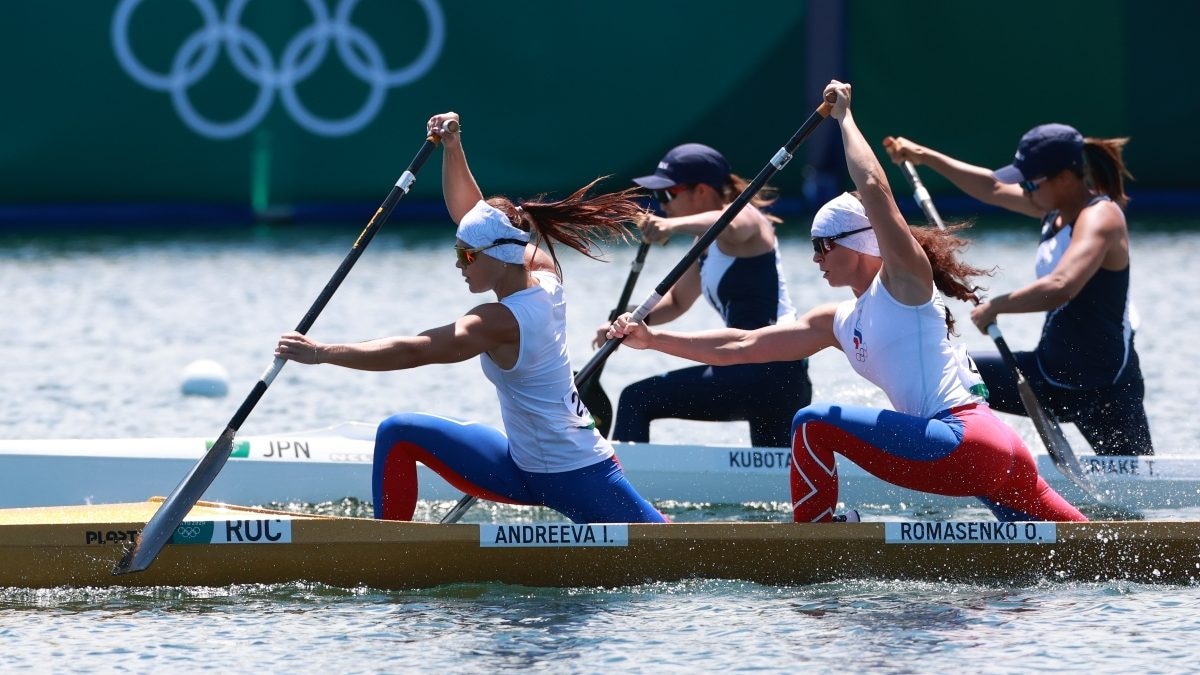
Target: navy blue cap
[(688, 164), (1043, 151)]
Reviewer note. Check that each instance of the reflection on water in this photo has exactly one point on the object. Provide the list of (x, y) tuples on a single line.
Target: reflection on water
[(882, 625)]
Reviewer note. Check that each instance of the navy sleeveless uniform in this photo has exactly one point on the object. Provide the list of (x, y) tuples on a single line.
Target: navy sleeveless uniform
[(748, 293), (1085, 368)]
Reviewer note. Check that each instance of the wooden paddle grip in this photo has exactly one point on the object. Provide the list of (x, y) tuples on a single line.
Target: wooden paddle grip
[(451, 126), (826, 106)]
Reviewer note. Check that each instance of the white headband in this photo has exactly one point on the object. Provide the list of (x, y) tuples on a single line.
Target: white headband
[(845, 213), (484, 225)]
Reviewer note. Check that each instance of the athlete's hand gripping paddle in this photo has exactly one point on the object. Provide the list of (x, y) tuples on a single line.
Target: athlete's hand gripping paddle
[(778, 161), (1047, 426), (181, 500)]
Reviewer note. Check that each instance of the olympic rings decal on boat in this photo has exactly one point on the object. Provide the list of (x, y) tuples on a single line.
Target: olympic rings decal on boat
[(304, 53), (189, 531)]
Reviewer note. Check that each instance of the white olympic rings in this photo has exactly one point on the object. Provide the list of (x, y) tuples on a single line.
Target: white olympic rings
[(254, 61), (189, 531)]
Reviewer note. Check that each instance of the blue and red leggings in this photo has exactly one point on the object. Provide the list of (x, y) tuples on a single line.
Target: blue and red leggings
[(474, 458), (963, 452)]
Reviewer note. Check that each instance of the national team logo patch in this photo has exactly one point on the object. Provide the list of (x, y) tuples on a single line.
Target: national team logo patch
[(860, 350)]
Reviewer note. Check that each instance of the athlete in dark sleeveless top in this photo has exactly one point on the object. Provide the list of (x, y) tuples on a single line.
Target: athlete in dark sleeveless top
[(741, 276), (1085, 368), (1099, 316)]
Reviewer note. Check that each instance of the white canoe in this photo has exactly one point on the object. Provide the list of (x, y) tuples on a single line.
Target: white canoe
[(220, 545), (334, 463)]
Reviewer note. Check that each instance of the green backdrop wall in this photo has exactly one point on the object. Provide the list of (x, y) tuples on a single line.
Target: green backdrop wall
[(273, 102)]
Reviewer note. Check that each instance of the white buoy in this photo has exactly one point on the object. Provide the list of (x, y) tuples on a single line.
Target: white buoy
[(205, 377)]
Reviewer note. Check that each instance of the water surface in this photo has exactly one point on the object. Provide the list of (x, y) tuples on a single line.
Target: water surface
[(99, 329)]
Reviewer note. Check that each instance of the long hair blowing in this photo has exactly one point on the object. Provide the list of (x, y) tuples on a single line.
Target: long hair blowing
[(762, 200), (951, 275), (1106, 167), (581, 222)]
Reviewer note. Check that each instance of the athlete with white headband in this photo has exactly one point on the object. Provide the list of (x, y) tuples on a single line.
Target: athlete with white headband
[(941, 436), (549, 453)]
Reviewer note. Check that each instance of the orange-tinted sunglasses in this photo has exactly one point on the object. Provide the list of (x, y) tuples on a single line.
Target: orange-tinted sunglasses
[(466, 256), (665, 195)]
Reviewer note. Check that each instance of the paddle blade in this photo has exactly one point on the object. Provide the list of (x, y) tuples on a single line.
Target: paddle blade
[(1055, 441), (598, 404), (176, 507)]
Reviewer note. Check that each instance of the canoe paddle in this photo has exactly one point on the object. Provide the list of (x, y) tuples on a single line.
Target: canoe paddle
[(590, 391), (924, 200), (778, 161), (181, 500), (1047, 427)]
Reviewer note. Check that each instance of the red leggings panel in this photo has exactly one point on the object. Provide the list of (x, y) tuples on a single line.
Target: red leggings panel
[(991, 462), (399, 495)]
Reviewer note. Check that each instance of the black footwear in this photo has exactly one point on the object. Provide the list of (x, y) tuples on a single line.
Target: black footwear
[(850, 516)]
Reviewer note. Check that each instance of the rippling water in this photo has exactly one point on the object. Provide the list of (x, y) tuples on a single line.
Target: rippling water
[(860, 626), (98, 330)]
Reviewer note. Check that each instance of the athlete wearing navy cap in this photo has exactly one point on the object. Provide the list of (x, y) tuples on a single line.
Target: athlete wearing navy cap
[(1085, 368), (688, 164), (741, 277), (939, 436)]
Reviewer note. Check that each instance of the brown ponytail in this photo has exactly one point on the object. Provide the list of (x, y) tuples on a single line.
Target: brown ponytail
[(951, 275), (1105, 167), (578, 221), (764, 198)]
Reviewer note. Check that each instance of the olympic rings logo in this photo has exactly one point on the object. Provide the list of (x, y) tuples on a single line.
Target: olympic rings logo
[(302, 56), (189, 531)]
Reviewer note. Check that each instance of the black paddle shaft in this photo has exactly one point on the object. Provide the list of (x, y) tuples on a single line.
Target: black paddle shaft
[(781, 158), (1046, 426), (635, 269), (593, 367), (181, 500), (591, 394)]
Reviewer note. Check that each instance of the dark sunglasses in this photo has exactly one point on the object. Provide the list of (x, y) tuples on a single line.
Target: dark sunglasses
[(466, 256), (666, 195), (823, 245), (1032, 185)]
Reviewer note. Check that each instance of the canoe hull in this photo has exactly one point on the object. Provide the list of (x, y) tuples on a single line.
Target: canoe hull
[(335, 463), (44, 548)]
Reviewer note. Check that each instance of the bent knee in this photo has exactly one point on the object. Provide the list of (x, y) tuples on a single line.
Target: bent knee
[(817, 412), (397, 428), (396, 425)]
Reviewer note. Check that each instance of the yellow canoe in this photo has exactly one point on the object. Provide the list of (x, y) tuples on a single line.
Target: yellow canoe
[(218, 545)]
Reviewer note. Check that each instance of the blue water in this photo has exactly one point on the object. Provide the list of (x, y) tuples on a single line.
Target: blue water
[(97, 333)]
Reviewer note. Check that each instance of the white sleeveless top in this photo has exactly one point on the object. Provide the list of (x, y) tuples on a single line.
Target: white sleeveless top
[(549, 430), (904, 351)]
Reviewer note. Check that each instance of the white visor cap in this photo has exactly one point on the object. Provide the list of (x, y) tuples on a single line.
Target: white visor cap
[(845, 213), (484, 225)]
